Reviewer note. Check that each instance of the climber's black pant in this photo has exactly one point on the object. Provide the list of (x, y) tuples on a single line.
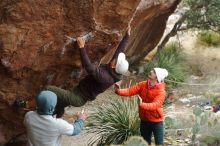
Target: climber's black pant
[(147, 128), (66, 97)]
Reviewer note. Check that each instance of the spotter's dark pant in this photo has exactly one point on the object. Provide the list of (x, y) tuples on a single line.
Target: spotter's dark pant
[(149, 128)]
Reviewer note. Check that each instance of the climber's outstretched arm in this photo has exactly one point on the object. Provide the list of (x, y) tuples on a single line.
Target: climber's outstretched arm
[(122, 46), (89, 67)]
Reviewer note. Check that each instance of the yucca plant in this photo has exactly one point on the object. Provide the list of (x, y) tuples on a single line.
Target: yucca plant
[(170, 58), (115, 122)]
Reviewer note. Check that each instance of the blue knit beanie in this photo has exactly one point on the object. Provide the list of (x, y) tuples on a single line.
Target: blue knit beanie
[(46, 102)]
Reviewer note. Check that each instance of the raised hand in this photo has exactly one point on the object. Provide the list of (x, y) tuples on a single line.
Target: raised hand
[(80, 42), (139, 100), (82, 115), (116, 87), (129, 30)]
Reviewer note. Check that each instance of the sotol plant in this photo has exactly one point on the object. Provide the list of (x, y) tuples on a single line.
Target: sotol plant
[(170, 58), (114, 122)]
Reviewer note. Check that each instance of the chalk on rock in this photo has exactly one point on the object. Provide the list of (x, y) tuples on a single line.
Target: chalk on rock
[(86, 36)]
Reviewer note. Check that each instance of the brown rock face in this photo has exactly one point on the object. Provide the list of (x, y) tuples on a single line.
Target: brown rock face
[(33, 38)]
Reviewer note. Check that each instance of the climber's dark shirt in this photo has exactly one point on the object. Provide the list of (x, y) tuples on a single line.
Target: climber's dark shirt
[(101, 77)]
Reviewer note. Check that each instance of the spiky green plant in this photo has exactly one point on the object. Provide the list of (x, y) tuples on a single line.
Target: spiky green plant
[(170, 58), (114, 122)]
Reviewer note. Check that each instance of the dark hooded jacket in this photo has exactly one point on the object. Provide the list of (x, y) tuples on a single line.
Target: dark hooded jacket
[(101, 77)]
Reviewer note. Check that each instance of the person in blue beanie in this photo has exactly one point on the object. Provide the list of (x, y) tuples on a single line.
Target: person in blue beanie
[(45, 130)]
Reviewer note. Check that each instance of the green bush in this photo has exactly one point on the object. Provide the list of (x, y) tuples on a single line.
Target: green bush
[(170, 58), (215, 98), (211, 140), (134, 141), (114, 122), (208, 38)]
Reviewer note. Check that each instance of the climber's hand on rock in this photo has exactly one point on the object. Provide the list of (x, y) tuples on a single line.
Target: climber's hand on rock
[(80, 42), (129, 30)]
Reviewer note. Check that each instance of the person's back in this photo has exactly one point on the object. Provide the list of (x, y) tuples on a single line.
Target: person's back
[(91, 86), (45, 130)]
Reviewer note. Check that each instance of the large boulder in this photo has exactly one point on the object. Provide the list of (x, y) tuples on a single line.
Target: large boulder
[(33, 39)]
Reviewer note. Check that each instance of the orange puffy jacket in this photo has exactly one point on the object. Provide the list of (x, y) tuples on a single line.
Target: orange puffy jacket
[(151, 108)]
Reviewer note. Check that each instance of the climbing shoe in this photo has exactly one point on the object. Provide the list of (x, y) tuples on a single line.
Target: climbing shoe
[(19, 103)]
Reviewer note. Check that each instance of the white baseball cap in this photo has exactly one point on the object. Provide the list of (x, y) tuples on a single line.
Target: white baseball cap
[(161, 74), (122, 64)]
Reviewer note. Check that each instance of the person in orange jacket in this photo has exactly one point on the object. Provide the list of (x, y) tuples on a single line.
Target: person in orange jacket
[(151, 95)]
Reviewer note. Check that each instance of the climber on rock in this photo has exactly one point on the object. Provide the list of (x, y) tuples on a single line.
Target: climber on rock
[(45, 130), (99, 78)]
